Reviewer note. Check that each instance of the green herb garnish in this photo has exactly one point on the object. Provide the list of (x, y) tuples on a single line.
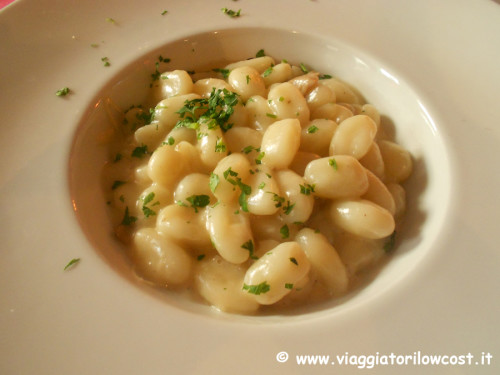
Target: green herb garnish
[(250, 247), (284, 231), (63, 92), (312, 129), (213, 182), (261, 288), (127, 219), (333, 164), (198, 201), (140, 151), (71, 263), (231, 13)]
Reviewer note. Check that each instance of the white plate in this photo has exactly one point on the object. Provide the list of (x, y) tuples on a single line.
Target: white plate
[(433, 68)]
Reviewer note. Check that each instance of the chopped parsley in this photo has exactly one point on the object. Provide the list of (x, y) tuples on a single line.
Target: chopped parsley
[(224, 72), (289, 286), (105, 60), (140, 151), (294, 261), (261, 288), (220, 146), (260, 53), (325, 76), (63, 92), (258, 159), (245, 189), (110, 20), (284, 231), (147, 211), (312, 129), (231, 13), (200, 257), (198, 201), (333, 164), (307, 189), (304, 68), (250, 247), (271, 115), (170, 141), (249, 149), (267, 72), (127, 219), (164, 12), (116, 184), (262, 185), (71, 263), (216, 110), (213, 182)]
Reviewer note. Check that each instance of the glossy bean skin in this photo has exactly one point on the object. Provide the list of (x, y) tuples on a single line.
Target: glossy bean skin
[(279, 269), (336, 177), (280, 142), (362, 218), (229, 230), (159, 260), (220, 283), (324, 259), (354, 136)]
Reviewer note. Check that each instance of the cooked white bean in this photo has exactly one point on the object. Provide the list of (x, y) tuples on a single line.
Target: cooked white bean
[(341, 176), (331, 111), (280, 142), (325, 261), (265, 188), (177, 82), (151, 200), (205, 86), (229, 230), (272, 277), (184, 225), (378, 193), (165, 113), (301, 160), (220, 283), (358, 253), (259, 63), (397, 161), (343, 92), (278, 73), (318, 96), (166, 166), (354, 136), (247, 82), (211, 145), (399, 195), (194, 184), (159, 260), (272, 227), (191, 155), (362, 218), (317, 135), (287, 102), (245, 140), (259, 114), (373, 161), (227, 173), (305, 82), (371, 111), (297, 194)]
